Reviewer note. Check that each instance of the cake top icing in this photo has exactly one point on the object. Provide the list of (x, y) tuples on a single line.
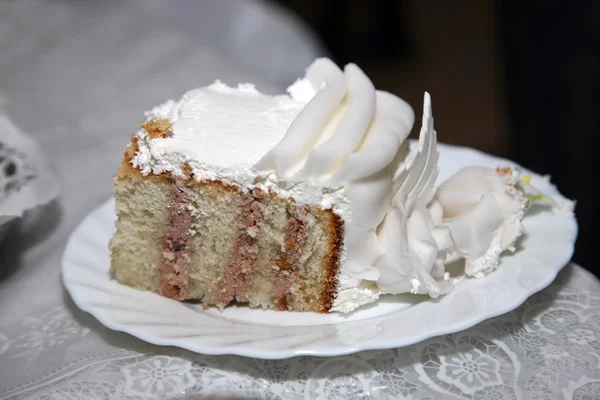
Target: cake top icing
[(225, 126)]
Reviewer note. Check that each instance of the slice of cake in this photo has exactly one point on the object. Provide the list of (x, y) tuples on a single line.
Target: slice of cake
[(310, 201)]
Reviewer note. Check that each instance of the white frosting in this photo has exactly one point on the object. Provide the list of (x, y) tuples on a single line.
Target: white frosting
[(484, 210), (412, 232), (336, 142), (219, 126)]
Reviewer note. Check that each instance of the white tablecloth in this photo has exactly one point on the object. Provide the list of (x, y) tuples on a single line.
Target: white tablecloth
[(77, 76), (548, 348)]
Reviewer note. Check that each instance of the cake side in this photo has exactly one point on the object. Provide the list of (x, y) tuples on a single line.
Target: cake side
[(142, 222), (210, 241)]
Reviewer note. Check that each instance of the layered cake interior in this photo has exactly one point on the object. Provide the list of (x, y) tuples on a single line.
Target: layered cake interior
[(209, 240)]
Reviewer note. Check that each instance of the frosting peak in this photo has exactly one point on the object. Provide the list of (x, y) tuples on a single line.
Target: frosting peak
[(347, 130), (358, 108), (323, 88)]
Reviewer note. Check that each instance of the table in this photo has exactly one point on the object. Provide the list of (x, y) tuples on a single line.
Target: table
[(77, 76)]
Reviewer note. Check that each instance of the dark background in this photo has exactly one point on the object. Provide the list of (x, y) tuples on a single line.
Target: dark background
[(519, 79)]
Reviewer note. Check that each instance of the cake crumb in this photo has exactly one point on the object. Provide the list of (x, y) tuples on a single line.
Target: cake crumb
[(503, 171), (252, 231), (157, 128), (132, 149), (187, 170)]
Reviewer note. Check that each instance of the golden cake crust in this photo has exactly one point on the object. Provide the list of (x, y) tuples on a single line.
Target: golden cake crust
[(334, 225)]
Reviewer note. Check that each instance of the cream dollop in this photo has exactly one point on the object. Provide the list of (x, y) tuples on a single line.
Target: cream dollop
[(483, 209)]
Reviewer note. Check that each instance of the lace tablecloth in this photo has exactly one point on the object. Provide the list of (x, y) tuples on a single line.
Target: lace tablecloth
[(77, 76), (548, 348)]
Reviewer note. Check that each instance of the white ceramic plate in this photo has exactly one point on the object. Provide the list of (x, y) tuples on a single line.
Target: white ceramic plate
[(393, 322)]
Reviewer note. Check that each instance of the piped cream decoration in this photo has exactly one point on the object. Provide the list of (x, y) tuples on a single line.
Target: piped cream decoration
[(484, 210), (412, 233)]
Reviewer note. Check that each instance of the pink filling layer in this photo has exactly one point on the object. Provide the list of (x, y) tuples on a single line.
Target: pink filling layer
[(175, 265), (242, 257), (295, 237)]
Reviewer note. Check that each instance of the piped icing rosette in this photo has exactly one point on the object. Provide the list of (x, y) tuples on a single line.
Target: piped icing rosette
[(484, 209)]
